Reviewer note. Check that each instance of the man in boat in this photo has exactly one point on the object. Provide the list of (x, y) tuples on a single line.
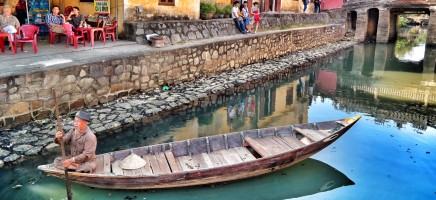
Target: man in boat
[(82, 145)]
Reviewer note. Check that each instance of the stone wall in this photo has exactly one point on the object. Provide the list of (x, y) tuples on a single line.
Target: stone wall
[(28, 96), (176, 31)]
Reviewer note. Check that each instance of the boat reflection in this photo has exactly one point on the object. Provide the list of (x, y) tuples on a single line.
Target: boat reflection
[(306, 178)]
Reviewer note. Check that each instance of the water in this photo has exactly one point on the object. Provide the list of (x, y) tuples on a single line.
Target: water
[(388, 154)]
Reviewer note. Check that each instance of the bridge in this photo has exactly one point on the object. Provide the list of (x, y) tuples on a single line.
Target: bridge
[(376, 20)]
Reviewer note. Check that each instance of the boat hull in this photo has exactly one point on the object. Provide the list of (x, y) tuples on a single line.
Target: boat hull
[(226, 173)]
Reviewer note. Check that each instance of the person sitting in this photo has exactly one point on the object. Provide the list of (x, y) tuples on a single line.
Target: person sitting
[(82, 146), (55, 20), (75, 18), (9, 23)]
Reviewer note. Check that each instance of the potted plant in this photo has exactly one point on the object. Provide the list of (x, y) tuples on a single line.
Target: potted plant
[(220, 12), (227, 11), (207, 10)]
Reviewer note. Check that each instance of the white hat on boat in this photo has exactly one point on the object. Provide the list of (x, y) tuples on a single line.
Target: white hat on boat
[(132, 161)]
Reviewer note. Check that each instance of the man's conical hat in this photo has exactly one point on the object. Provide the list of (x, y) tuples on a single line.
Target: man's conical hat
[(132, 161)]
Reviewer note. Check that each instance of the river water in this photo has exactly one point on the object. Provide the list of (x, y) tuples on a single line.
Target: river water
[(388, 154)]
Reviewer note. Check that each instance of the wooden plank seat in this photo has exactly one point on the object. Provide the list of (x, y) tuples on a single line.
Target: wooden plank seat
[(272, 146), (258, 147), (311, 134)]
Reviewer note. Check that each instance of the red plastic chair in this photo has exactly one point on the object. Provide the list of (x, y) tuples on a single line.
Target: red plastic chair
[(71, 35), (110, 30), (26, 34), (52, 36)]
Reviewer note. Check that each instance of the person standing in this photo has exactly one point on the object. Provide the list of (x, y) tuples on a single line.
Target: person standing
[(75, 18), (237, 18), (255, 11), (305, 2), (83, 144), (20, 8), (317, 4), (55, 20), (9, 23)]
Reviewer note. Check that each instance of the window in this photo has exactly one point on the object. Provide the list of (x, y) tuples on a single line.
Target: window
[(167, 2)]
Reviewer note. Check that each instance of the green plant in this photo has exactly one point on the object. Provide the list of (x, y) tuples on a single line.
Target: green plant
[(402, 22), (207, 8), (219, 10), (228, 9)]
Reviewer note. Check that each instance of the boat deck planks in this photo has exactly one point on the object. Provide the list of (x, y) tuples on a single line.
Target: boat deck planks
[(325, 133), (244, 154), (187, 163), (311, 134), (208, 161), (116, 169), (146, 170), (163, 164), (159, 164), (257, 147), (292, 142), (216, 159), (231, 156), (281, 144), (103, 164), (172, 161)]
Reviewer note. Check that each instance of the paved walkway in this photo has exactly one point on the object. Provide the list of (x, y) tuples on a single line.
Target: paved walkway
[(58, 56)]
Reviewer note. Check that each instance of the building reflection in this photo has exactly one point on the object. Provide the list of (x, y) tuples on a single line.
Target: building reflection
[(372, 80)]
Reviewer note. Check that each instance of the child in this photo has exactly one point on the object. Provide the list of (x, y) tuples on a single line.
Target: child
[(255, 11)]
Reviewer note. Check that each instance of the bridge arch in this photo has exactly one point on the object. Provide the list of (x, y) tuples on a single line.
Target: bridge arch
[(371, 32), (351, 22)]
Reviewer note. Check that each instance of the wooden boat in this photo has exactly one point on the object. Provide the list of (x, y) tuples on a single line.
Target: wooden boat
[(211, 159)]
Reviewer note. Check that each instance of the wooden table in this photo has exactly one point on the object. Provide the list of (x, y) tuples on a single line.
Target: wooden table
[(2, 42), (90, 31)]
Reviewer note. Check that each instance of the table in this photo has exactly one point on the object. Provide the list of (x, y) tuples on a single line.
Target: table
[(2, 42), (90, 31)]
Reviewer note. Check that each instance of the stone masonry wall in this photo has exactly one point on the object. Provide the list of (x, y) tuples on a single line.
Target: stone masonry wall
[(177, 31), (28, 96)]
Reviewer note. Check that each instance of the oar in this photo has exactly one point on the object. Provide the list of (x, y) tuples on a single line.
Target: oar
[(67, 179)]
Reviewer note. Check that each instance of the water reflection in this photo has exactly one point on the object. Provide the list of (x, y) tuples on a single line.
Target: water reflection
[(316, 176), (410, 44), (405, 92)]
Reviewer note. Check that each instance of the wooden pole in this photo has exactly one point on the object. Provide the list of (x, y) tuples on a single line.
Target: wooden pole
[(67, 178)]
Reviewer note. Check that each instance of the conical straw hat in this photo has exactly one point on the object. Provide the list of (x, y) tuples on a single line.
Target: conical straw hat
[(132, 161)]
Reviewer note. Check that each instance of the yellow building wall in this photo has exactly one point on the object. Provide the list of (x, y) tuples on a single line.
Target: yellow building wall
[(292, 6), (295, 6), (191, 8)]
